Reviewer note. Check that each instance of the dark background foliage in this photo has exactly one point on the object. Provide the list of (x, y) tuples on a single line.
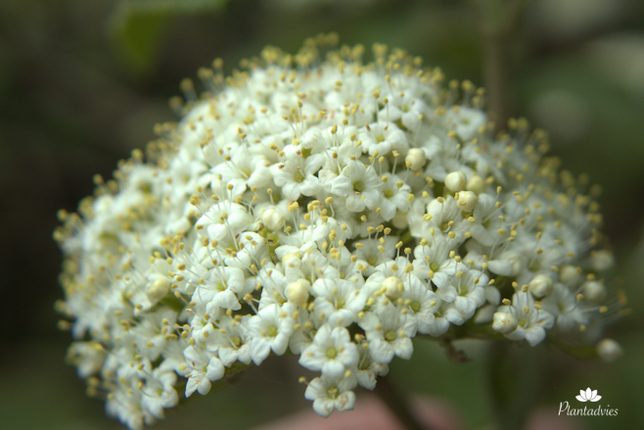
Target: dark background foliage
[(83, 82)]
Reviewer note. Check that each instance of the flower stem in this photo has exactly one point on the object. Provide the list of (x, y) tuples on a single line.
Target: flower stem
[(514, 374), (499, 23), (398, 405)]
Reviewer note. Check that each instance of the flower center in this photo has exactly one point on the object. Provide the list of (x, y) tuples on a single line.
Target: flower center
[(272, 331), (332, 393), (380, 138), (389, 193), (523, 322), (339, 303), (299, 177), (390, 335), (331, 353), (236, 341), (372, 260), (364, 365), (358, 186), (415, 307), (221, 286), (434, 267), (146, 188)]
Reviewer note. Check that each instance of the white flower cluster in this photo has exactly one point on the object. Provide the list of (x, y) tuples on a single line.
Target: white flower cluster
[(332, 210)]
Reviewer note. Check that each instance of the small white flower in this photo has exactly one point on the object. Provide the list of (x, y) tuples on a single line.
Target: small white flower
[(231, 341), (531, 322), (368, 369), (203, 369), (159, 393), (382, 137), (338, 301), (296, 176), (332, 352), (359, 185), (395, 197), (388, 332), (271, 329), (223, 220), (466, 121), (331, 393), (564, 306)]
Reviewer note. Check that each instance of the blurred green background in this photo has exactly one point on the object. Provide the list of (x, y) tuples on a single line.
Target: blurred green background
[(82, 83)]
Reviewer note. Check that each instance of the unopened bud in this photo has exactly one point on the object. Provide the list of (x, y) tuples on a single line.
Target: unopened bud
[(400, 220), (609, 350), (467, 200), (568, 274), (272, 219), (394, 286), (157, 289), (504, 322), (602, 260), (594, 291), (456, 181), (476, 184), (415, 158), (541, 285), (298, 292)]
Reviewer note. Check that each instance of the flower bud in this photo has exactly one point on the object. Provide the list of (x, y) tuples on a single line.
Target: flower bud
[(394, 287), (272, 219), (602, 260), (287, 257), (298, 292), (504, 322), (415, 158), (476, 184), (568, 274), (157, 289), (594, 291), (400, 220), (467, 200), (456, 181), (541, 285), (609, 350)]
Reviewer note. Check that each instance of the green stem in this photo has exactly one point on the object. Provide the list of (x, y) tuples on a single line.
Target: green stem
[(580, 352), (499, 23), (398, 405)]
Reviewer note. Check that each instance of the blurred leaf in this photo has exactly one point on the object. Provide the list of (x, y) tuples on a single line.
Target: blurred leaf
[(137, 26)]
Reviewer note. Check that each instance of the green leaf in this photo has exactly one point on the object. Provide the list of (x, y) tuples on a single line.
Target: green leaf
[(137, 26)]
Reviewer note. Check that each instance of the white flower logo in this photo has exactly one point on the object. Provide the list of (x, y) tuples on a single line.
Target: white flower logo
[(588, 395)]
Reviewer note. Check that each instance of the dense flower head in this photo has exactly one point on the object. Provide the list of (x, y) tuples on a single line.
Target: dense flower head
[(329, 209)]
